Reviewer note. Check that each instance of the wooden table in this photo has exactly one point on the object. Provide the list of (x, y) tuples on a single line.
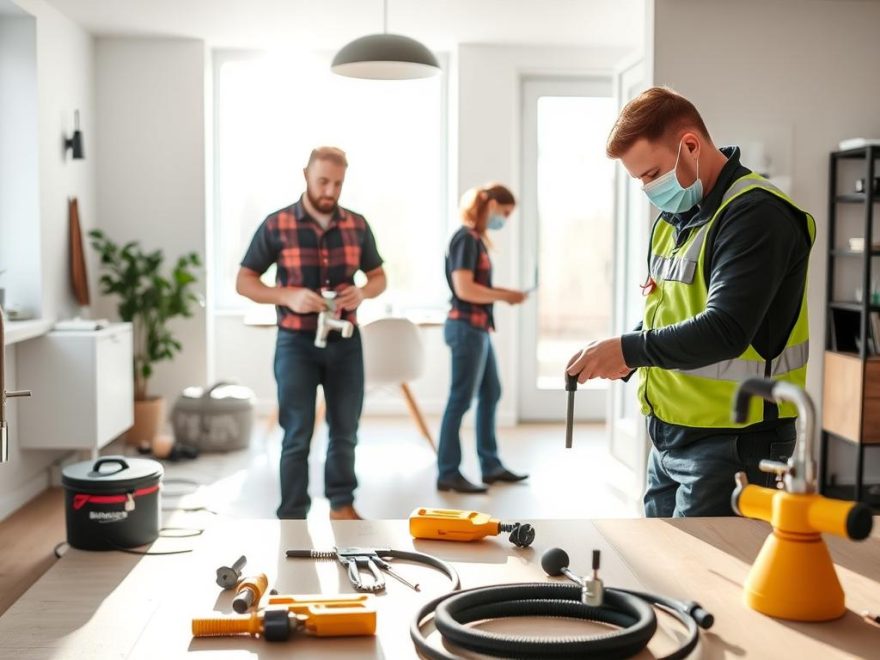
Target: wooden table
[(112, 605)]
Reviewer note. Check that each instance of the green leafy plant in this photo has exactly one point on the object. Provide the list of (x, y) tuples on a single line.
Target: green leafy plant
[(147, 299)]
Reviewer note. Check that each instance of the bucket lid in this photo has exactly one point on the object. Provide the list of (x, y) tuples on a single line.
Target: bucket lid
[(112, 474)]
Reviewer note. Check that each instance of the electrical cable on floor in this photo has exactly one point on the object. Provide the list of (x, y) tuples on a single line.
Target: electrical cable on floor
[(184, 482)]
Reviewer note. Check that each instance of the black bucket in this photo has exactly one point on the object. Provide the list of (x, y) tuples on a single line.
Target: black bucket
[(112, 503)]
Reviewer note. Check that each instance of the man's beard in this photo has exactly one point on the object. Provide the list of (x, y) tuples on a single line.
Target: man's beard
[(322, 204)]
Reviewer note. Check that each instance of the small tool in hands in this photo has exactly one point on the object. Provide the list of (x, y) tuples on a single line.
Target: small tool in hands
[(228, 576), (457, 525), (571, 385)]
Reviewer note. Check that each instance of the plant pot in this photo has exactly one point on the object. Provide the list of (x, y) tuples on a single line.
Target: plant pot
[(149, 416)]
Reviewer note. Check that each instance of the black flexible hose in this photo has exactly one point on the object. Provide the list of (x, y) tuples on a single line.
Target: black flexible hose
[(625, 609)]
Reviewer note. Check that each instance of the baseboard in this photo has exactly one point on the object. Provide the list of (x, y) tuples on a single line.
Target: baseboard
[(13, 501)]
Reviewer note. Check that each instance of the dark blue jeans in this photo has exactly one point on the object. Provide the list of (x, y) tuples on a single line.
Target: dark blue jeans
[(474, 372), (697, 479), (299, 368)]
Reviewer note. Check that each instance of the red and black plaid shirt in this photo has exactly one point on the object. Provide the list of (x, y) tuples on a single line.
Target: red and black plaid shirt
[(468, 252), (308, 256)]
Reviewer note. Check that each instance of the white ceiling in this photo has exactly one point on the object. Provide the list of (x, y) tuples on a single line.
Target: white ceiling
[(328, 23)]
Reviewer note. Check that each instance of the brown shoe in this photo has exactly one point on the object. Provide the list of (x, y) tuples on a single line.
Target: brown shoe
[(346, 512)]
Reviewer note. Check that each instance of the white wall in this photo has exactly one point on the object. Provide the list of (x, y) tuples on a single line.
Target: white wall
[(65, 66), (485, 137), (151, 164), (799, 83)]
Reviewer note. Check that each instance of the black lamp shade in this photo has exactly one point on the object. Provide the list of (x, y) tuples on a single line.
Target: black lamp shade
[(385, 57)]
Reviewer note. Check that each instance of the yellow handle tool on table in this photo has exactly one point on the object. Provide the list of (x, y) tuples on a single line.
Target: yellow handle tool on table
[(458, 525), (317, 615), (793, 576)]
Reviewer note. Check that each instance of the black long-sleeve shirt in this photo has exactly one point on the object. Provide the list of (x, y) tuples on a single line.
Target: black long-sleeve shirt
[(755, 265)]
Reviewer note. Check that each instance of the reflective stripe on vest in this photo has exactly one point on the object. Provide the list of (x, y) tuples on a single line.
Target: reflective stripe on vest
[(679, 269), (791, 359)]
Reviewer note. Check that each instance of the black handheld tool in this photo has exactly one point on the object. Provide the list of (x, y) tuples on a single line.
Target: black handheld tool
[(571, 385)]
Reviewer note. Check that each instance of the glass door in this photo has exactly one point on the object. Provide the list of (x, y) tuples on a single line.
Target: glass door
[(567, 243)]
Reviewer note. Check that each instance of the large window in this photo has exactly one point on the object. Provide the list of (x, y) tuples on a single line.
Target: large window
[(269, 114)]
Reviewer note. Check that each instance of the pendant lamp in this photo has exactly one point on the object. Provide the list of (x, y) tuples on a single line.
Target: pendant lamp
[(385, 57)]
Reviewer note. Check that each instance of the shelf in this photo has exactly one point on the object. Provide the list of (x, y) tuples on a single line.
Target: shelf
[(842, 252), (858, 152), (16, 331), (851, 306), (856, 198), (854, 356)]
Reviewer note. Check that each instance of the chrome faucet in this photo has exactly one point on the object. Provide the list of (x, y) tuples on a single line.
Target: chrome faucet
[(4, 440), (798, 475), (328, 322)]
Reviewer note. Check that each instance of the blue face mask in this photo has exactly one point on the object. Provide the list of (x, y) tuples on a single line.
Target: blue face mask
[(496, 221), (667, 194)]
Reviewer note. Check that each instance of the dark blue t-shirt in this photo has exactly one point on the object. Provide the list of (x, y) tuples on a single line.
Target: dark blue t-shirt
[(468, 252)]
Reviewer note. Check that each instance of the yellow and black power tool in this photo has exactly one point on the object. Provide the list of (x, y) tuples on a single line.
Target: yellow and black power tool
[(457, 525), (344, 615), (793, 576)]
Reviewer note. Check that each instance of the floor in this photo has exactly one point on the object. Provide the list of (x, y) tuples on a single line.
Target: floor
[(396, 470)]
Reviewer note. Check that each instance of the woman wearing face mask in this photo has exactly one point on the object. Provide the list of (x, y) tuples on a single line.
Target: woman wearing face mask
[(467, 333)]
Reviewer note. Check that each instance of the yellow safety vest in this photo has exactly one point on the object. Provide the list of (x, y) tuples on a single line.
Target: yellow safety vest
[(703, 397)]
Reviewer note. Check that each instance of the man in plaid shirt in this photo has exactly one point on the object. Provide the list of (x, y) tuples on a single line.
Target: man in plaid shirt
[(316, 245)]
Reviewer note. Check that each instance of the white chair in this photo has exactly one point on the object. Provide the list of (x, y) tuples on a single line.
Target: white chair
[(394, 355)]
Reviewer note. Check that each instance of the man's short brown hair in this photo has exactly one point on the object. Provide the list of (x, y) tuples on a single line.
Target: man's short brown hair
[(333, 154), (657, 114)]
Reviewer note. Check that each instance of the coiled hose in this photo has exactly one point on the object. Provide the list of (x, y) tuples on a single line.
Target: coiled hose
[(630, 611)]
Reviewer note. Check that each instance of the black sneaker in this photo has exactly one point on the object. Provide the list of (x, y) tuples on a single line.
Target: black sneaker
[(460, 485), (504, 475)]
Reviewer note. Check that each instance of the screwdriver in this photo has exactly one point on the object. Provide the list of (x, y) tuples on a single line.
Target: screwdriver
[(571, 385)]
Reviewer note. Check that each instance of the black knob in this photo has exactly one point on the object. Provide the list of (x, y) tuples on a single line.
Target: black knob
[(554, 560), (571, 383), (522, 535)]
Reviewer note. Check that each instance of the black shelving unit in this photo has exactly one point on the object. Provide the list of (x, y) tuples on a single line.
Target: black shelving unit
[(868, 199)]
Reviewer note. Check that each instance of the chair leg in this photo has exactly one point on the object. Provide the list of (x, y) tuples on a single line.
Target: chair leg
[(417, 415), (320, 410), (272, 420)]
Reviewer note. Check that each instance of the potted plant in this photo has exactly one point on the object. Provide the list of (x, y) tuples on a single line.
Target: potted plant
[(148, 300)]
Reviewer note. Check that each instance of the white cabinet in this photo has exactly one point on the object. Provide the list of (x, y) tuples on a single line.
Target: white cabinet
[(83, 389)]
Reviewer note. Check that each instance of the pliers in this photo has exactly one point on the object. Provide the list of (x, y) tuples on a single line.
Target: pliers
[(355, 559)]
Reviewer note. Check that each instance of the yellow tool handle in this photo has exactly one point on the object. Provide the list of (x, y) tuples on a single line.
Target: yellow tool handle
[(847, 519), (452, 524), (251, 624), (754, 502), (804, 513), (342, 615), (249, 592)]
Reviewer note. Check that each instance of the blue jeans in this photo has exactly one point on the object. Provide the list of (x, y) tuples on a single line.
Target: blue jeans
[(474, 372), (697, 479), (300, 367)]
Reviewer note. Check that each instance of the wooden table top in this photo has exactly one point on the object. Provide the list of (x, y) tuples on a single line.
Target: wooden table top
[(98, 605)]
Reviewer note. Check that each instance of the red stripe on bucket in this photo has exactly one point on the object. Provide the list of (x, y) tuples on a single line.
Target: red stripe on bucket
[(81, 499)]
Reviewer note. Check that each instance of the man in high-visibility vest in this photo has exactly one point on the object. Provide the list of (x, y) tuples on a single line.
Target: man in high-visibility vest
[(725, 300)]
